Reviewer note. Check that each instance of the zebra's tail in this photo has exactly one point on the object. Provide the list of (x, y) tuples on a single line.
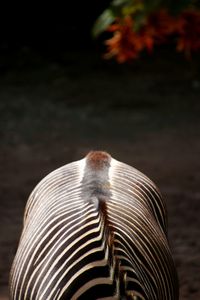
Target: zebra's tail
[(97, 189)]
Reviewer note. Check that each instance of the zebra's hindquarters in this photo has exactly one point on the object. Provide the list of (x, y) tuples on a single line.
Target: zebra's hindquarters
[(95, 228)]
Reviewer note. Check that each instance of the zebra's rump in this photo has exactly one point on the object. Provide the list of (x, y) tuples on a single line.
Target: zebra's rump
[(94, 229)]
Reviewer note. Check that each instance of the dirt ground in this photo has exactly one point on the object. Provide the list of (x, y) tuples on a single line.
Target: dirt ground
[(146, 114)]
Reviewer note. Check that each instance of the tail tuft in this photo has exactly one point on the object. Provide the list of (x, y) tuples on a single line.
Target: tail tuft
[(98, 160)]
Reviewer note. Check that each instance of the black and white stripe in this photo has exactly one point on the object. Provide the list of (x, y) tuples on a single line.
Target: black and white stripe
[(94, 229)]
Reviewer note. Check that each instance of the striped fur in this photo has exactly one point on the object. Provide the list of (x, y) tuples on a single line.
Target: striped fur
[(94, 229)]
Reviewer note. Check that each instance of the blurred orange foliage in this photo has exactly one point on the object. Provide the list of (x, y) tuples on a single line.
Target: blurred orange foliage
[(159, 27), (188, 39), (125, 43)]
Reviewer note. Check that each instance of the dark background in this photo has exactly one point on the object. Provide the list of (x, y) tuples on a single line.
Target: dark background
[(51, 28), (59, 99)]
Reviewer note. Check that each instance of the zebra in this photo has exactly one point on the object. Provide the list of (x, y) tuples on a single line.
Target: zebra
[(94, 229)]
